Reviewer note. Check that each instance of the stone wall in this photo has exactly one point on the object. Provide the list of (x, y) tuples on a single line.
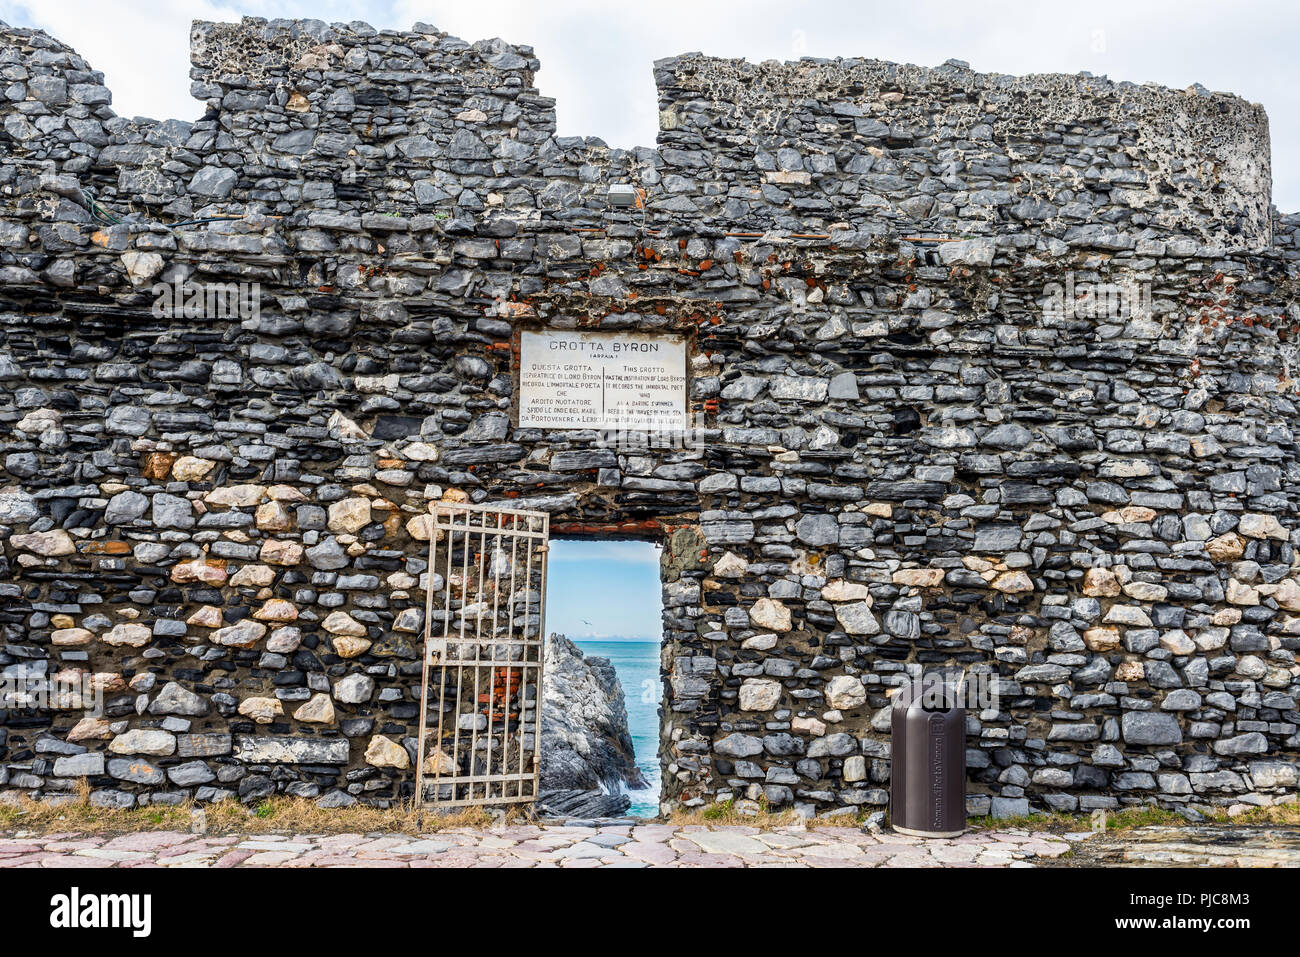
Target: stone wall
[(898, 150), (908, 454)]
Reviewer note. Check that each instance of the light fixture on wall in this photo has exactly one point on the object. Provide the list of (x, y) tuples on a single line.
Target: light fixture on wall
[(624, 194), (629, 197)]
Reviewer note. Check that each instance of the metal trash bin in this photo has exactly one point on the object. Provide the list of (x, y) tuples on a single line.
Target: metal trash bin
[(927, 779)]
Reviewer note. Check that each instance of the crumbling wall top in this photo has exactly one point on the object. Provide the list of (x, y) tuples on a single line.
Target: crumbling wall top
[(1050, 151)]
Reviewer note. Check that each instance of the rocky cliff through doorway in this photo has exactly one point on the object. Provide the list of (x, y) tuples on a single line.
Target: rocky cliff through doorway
[(601, 719)]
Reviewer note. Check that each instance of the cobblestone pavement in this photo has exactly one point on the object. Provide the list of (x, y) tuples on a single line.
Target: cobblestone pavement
[(614, 845)]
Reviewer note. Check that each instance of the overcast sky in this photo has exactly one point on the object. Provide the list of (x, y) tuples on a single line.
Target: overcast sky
[(604, 590), (596, 57)]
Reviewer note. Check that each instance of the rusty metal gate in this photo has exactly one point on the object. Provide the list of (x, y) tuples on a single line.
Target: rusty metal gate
[(481, 690)]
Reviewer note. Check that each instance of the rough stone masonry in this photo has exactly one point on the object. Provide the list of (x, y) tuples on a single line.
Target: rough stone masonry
[(914, 447)]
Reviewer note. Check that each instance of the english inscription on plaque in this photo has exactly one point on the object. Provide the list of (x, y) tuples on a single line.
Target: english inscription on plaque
[(602, 380)]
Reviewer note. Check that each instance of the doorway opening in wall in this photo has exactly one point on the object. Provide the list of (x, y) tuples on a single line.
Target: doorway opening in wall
[(606, 597)]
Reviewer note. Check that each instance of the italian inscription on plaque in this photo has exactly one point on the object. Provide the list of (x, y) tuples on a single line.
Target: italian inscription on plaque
[(602, 380)]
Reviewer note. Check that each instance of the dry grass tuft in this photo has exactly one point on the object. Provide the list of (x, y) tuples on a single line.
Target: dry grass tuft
[(1278, 814), (1148, 815), (75, 814), (748, 814), (1029, 822), (1122, 820)]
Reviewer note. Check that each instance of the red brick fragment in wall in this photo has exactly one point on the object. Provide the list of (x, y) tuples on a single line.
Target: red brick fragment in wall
[(647, 526), (157, 465)]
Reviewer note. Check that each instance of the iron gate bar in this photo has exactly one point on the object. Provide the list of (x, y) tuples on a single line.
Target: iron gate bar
[(486, 526)]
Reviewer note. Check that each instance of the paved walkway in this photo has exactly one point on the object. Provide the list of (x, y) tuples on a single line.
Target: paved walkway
[(614, 845)]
